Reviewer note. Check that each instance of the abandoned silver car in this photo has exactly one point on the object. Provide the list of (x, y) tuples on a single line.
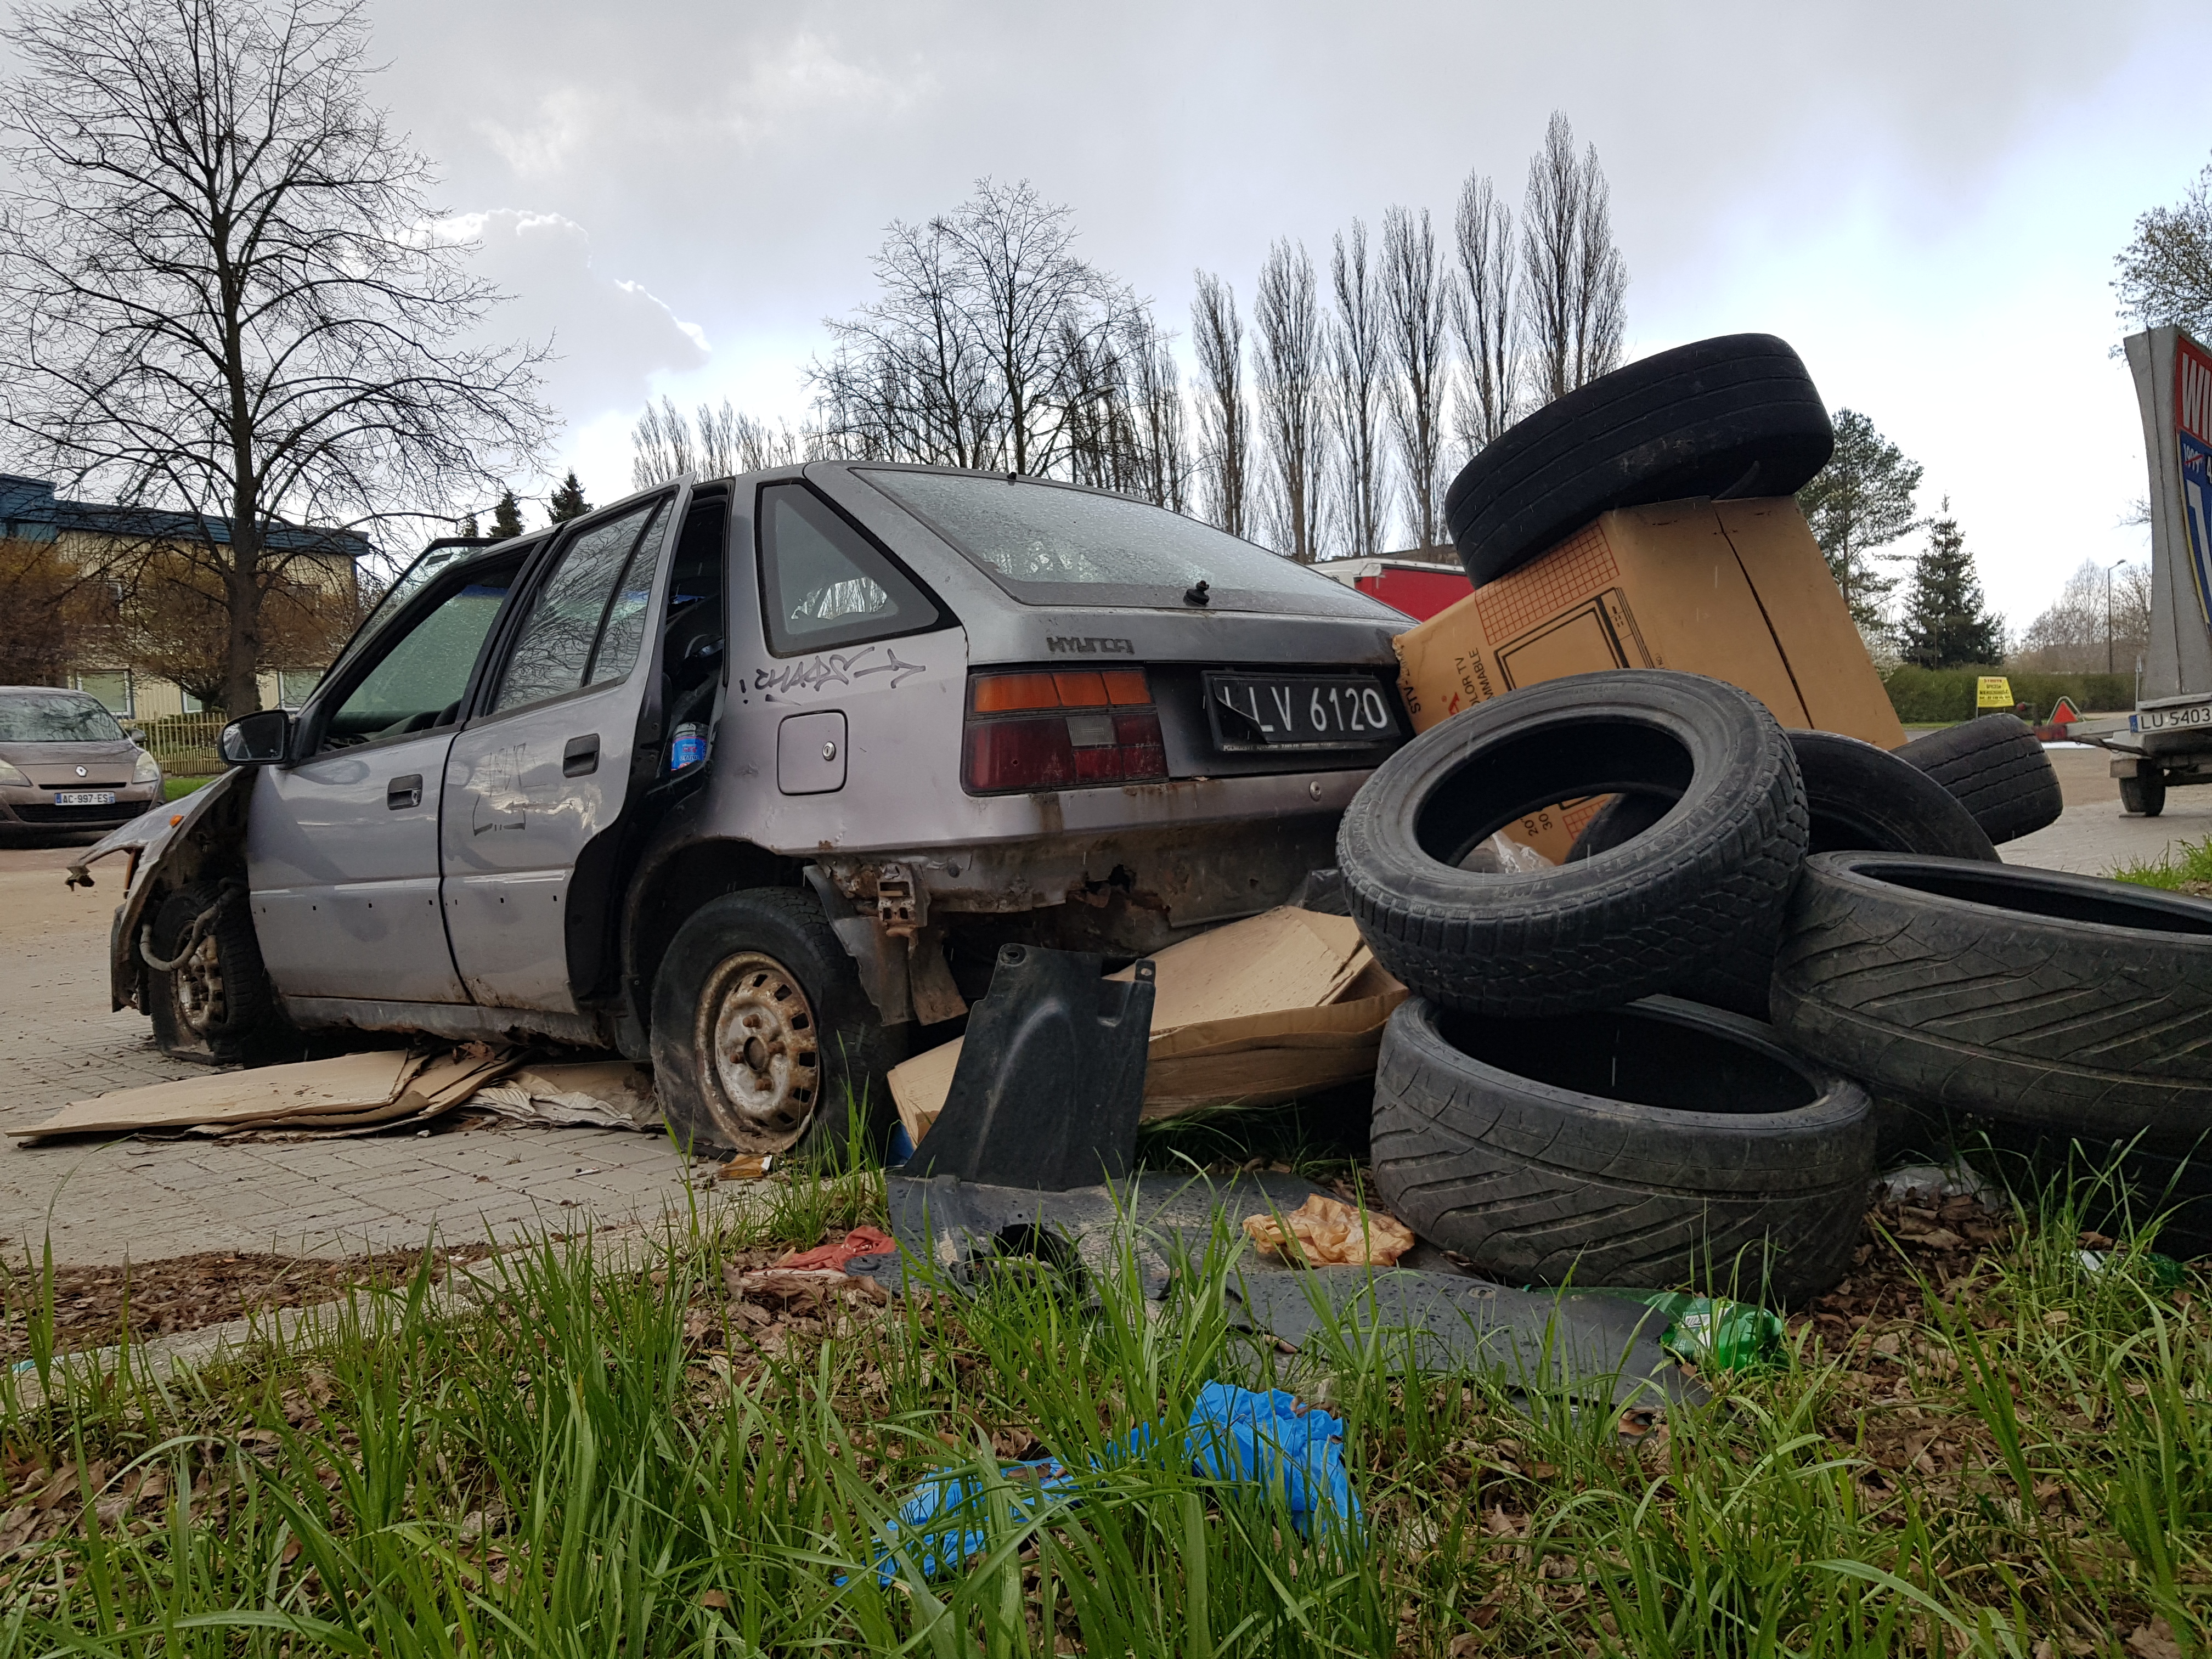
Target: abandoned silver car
[(751, 778)]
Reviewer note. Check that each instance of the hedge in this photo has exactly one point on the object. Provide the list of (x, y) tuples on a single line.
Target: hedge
[(1925, 695)]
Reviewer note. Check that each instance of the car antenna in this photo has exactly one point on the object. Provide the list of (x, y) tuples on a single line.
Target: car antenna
[(1197, 595)]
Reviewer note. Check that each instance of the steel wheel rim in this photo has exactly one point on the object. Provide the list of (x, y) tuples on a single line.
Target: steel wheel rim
[(758, 1037)]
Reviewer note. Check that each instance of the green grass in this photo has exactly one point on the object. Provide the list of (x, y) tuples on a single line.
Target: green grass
[(175, 788), (2192, 864), (645, 1461)]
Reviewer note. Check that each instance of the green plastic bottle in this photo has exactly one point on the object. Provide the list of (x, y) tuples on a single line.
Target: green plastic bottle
[(1713, 1331)]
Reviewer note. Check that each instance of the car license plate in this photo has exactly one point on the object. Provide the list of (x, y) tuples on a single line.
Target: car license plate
[(2190, 715), (1299, 711), (84, 798)]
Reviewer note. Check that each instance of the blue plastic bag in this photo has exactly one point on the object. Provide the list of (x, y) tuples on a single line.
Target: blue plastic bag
[(1234, 1434)]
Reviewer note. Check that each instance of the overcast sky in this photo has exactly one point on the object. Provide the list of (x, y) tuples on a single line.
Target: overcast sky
[(1924, 198)]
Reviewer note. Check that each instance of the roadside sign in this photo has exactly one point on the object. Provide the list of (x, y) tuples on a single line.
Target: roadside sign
[(1992, 691), (2192, 410)]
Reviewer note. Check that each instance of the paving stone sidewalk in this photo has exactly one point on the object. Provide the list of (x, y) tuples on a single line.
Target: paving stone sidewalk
[(128, 1199)]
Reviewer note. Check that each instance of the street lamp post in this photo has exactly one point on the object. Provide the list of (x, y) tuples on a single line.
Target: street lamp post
[(2109, 569)]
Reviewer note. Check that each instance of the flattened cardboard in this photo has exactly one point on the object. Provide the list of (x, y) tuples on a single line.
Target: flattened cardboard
[(1738, 590), (348, 1083)]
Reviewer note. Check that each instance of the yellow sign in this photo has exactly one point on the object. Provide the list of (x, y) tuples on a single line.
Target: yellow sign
[(1992, 691)]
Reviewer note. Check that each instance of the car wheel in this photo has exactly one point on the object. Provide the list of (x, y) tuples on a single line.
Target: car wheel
[(215, 995), (2143, 796), (1857, 798), (1594, 934), (1997, 768), (2068, 1003), (1732, 416), (1647, 1146), (764, 1040)]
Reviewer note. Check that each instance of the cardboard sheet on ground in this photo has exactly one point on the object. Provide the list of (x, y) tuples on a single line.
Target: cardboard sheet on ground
[(1255, 1012), (349, 1091)]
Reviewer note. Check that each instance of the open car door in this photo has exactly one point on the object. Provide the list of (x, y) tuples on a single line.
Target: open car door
[(552, 754)]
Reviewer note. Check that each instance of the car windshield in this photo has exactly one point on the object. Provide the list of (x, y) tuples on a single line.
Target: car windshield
[(55, 717), (1049, 543)]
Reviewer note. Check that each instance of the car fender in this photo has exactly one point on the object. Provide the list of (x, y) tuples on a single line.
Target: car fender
[(205, 834)]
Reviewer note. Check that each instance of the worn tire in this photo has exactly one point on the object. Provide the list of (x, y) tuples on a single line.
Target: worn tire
[(2069, 1003), (729, 979), (1577, 936), (2143, 796), (1997, 769), (1734, 416), (1857, 798), (1650, 1147), (212, 1005)]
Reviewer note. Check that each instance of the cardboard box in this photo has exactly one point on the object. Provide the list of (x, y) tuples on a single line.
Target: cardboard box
[(1736, 590), (1259, 1011)]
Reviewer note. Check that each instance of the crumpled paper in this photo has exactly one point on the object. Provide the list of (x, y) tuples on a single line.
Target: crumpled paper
[(1327, 1233)]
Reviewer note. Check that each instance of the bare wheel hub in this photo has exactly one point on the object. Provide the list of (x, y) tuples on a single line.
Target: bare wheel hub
[(758, 1041), (199, 980)]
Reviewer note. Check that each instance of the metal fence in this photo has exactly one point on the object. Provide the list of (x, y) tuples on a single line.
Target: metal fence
[(182, 743)]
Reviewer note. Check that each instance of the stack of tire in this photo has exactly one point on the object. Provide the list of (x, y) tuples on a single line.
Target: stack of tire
[(1585, 1085)]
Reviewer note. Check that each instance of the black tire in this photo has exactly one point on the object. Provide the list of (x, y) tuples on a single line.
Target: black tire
[(1997, 769), (763, 968), (217, 998), (2143, 796), (1650, 1147), (1589, 935), (1731, 417), (2069, 1003), (1857, 798)]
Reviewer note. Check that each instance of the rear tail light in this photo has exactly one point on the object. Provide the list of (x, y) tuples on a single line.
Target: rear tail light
[(1061, 730)]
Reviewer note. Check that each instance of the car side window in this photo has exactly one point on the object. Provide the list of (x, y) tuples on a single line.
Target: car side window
[(822, 583), (588, 616), (420, 680)]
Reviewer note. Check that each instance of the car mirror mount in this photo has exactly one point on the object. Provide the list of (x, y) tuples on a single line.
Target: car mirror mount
[(263, 738)]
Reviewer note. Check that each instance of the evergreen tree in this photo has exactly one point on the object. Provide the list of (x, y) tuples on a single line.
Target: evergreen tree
[(506, 518), (1858, 503), (566, 501), (469, 527), (1946, 624)]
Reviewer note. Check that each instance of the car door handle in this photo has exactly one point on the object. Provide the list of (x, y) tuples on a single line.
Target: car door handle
[(402, 792), (581, 757)]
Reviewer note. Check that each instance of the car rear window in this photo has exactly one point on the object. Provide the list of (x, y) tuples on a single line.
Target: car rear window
[(1048, 543), (55, 717)]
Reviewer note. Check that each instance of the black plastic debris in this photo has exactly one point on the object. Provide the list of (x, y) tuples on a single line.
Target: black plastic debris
[(1598, 1348), (1051, 1076)]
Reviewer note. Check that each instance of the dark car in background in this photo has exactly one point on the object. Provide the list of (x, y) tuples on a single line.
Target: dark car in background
[(66, 764)]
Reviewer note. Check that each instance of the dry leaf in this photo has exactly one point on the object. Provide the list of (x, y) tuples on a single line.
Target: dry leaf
[(1324, 1232), (716, 1599), (2153, 1641)]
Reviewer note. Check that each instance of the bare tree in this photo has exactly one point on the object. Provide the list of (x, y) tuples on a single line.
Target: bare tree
[(1224, 434), (720, 441), (1289, 373), (1414, 305), (1358, 348), (2101, 619), (1163, 448), (985, 347), (661, 445), (1574, 283), (2165, 272), (217, 296), (1482, 314)]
